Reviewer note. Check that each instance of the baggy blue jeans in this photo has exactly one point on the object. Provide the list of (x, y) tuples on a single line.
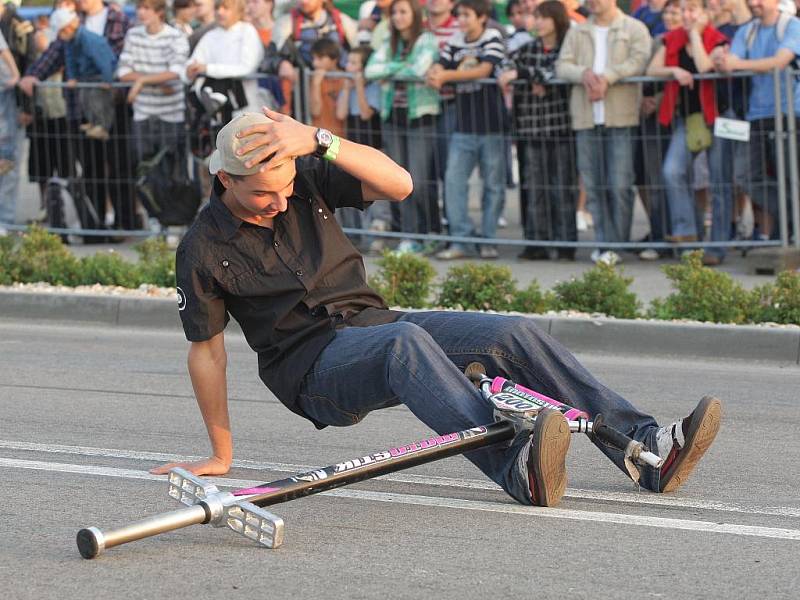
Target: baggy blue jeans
[(9, 139), (488, 151), (605, 162), (419, 361)]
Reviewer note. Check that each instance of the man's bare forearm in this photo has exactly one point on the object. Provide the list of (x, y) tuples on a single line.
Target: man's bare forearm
[(207, 369)]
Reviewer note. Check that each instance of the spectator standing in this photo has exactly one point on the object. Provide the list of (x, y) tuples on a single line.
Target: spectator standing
[(50, 151), (649, 13), (325, 90), (652, 140), (152, 60), (595, 56), (183, 16), (728, 16), (359, 105), (690, 107), (9, 76), (259, 13), (409, 111), (470, 55), (205, 21), (541, 115), (443, 24), (770, 41), (224, 58), (98, 159)]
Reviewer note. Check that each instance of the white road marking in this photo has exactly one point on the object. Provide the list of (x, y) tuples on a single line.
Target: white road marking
[(643, 498), (439, 502)]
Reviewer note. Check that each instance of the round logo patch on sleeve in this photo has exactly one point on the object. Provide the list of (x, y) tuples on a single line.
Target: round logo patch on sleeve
[(181, 299)]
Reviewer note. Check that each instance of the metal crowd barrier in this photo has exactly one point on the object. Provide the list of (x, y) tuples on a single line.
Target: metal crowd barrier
[(103, 173)]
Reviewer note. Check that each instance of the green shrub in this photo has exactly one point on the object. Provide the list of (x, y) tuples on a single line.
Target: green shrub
[(109, 268), (532, 299), (702, 294), (778, 302), (473, 286), (8, 271), (601, 289), (156, 262), (403, 279), (41, 256)]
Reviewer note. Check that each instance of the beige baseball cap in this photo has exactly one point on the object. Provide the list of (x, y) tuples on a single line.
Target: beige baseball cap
[(224, 158)]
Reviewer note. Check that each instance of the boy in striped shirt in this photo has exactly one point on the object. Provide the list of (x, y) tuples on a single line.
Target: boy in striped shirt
[(152, 59)]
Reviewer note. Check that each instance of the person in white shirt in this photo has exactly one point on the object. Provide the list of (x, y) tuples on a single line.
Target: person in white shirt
[(223, 59)]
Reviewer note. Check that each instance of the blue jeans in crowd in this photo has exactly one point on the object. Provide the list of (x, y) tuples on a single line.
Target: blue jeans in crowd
[(9, 138), (605, 161), (488, 151), (419, 361), (686, 217)]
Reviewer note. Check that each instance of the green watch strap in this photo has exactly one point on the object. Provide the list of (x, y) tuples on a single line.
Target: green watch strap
[(333, 149)]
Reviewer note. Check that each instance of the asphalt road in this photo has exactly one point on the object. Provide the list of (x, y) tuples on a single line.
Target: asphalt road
[(85, 411)]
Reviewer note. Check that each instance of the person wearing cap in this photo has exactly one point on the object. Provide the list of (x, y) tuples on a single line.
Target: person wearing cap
[(268, 251), (87, 58)]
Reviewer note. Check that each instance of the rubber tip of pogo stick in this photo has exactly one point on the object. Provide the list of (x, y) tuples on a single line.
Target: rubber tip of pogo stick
[(88, 545)]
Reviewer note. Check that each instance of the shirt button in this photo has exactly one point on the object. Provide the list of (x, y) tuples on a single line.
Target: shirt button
[(319, 210), (299, 273), (225, 263)]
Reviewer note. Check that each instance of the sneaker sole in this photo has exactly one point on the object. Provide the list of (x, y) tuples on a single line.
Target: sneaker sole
[(702, 431), (547, 460)]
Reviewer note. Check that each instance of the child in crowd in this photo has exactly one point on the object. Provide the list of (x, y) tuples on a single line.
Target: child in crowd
[(324, 91), (359, 102), (541, 116), (183, 11), (221, 61), (522, 22), (471, 54), (87, 58)]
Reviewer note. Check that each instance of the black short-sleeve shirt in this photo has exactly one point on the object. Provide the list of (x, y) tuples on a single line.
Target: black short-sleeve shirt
[(289, 287)]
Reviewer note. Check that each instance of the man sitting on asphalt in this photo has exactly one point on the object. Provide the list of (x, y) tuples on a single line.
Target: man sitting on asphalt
[(268, 251)]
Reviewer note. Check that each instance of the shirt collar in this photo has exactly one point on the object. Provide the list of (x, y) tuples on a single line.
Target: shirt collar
[(227, 222)]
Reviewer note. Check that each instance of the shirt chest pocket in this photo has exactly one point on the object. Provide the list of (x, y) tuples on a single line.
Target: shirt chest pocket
[(619, 49)]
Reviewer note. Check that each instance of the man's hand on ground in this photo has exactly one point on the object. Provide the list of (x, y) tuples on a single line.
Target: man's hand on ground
[(208, 466)]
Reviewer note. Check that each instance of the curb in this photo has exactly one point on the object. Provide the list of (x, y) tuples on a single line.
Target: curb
[(586, 334)]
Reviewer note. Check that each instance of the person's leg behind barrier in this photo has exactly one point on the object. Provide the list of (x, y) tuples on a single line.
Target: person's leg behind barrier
[(369, 368), (677, 178), (492, 160), (619, 156), (720, 166), (461, 160), (591, 165)]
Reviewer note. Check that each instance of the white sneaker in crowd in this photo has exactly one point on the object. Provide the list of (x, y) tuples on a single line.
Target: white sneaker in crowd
[(580, 221), (608, 257), (648, 254), (488, 252)]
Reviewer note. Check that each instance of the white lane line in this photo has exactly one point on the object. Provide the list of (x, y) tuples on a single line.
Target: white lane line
[(439, 502), (643, 498)]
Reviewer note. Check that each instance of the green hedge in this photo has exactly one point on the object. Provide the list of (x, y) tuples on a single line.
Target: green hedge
[(699, 293), (39, 256)]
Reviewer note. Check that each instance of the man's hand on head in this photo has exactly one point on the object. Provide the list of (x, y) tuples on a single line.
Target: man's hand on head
[(283, 139), (209, 466)]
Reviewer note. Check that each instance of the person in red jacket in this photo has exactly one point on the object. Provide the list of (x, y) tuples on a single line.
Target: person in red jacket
[(690, 106)]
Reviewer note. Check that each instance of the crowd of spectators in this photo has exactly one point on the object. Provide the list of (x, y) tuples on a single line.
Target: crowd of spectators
[(443, 88)]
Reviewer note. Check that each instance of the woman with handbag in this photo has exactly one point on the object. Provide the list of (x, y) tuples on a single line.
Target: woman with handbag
[(690, 106)]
